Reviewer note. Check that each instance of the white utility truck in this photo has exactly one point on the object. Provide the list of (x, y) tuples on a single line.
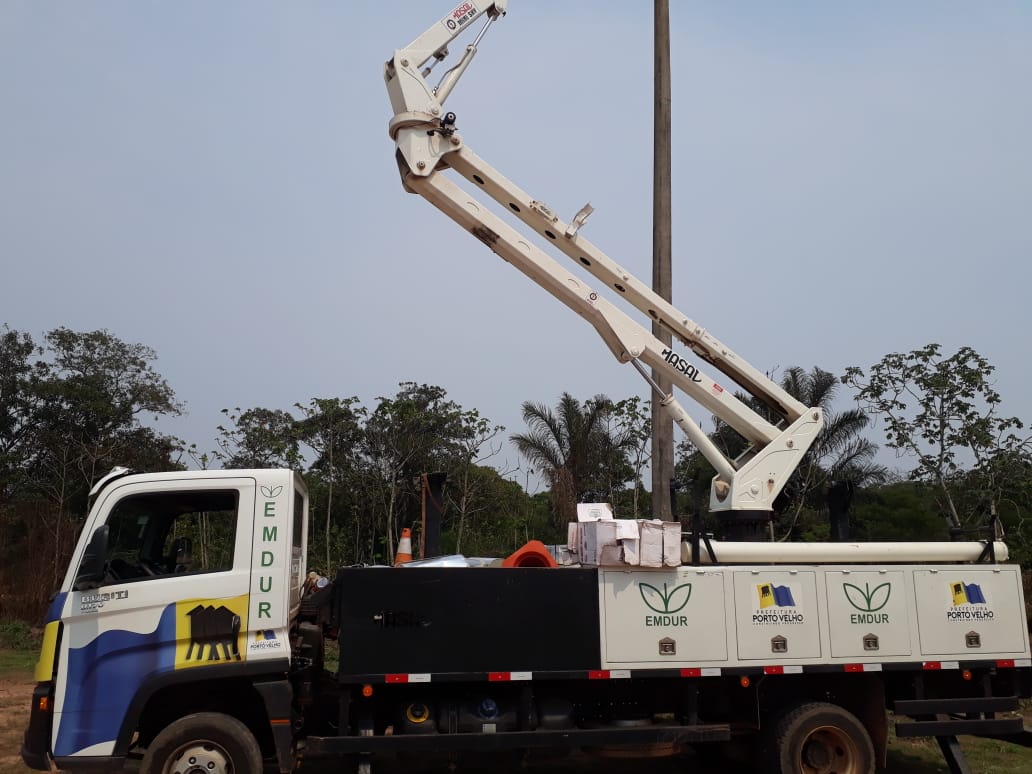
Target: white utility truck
[(185, 639)]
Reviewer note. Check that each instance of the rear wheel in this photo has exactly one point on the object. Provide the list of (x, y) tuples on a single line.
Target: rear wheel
[(203, 743), (822, 738)]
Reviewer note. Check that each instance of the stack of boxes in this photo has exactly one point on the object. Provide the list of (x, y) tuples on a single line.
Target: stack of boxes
[(597, 539)]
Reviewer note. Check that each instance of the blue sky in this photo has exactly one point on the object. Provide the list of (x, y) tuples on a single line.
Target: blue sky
[(215, 180)]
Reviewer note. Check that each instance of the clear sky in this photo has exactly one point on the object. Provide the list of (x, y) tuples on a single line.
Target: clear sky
[(215, 180)]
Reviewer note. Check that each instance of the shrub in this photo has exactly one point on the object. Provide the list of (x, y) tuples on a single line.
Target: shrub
[(16, 635)]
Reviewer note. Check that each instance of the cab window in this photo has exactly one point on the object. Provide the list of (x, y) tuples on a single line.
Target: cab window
[(171, 533)]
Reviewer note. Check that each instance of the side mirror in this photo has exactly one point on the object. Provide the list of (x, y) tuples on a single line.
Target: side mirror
[(91, 569)]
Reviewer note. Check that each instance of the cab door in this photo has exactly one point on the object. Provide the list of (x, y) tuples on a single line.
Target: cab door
[(174, 596)]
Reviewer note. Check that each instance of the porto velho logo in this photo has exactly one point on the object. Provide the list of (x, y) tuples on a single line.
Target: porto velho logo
[(667, 603), (969, 603), (868, 601), (775, 605)]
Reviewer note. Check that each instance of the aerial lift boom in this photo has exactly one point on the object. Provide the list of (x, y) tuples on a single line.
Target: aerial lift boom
[(428, 144)]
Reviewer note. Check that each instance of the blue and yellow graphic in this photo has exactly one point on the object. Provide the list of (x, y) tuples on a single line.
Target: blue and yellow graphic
[(966, 594), (775, 596), (104, 674), (102, 679), (210, 631)]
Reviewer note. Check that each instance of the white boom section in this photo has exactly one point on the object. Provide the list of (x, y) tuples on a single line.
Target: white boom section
[(428, 144), (840, 553)]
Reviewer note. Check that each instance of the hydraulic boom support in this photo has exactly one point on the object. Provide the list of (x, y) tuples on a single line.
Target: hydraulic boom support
[(428, 144)]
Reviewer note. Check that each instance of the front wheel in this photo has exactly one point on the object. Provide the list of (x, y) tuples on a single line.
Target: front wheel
[(203, 743), (822, 738)]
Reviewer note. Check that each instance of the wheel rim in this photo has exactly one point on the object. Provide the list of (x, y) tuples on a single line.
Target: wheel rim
[(829, 750), (199, 757)]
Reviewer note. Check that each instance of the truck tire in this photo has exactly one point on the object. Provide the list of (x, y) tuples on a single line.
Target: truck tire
[(205, 742), (821, 738)]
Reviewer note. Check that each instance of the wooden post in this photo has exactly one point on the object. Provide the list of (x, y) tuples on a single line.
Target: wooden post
[(662, 425)]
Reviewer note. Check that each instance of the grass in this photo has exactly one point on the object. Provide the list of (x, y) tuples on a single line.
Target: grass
[(922, 756), (16, 663)]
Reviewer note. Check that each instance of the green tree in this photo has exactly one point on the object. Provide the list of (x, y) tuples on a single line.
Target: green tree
[(633, 426), (493, 512), (470, 484), (418, 430), (332, 428), (944, 412), (900, 511), (575, 449), (259, 438), (92, 390), (69, 411), (17, 407)]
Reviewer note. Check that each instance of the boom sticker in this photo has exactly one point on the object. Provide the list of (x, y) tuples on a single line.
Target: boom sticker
[(460, 16)]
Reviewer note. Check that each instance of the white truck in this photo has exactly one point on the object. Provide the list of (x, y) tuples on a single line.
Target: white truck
[(185, 639)]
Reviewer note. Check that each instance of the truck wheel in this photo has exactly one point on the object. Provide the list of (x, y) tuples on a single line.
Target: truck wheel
[(821, 738), (203, 743)]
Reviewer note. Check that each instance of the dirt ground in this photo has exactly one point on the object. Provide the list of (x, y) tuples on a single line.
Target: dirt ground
[(15, 693)]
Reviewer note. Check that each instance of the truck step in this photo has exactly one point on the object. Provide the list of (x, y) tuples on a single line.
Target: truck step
[(974, 727), (671, 734), (915, 707)]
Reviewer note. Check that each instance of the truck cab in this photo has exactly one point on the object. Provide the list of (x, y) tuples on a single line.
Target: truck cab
[(179, 599)]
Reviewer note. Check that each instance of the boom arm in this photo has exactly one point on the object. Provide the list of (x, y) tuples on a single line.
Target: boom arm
[(428, 144)]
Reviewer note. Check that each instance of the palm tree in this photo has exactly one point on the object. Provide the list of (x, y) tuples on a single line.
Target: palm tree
[(839, 446), (839, 452), (575, 450)]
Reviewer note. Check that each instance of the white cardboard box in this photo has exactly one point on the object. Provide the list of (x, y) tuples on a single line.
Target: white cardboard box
[(594, 536), (672, 544), (605, 542), (651, 545), (594, 511)]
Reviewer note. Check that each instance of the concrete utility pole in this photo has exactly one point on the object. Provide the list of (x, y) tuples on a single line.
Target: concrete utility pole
[(662, 283)]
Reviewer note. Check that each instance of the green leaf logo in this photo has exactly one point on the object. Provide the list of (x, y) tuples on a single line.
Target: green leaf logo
[(866, 599), (271, 491), (664, 601)]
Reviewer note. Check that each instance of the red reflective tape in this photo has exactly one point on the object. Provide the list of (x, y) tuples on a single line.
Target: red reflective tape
[(1005, 663), (854, 667), (695, 672), (396, 678), (497, 677), (598, 674), (773, 670), (932, 665)]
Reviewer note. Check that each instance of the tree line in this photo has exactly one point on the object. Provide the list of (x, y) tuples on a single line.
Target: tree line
[(72, 404)]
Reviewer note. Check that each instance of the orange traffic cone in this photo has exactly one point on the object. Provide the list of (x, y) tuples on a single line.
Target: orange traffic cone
[(404, 554)]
